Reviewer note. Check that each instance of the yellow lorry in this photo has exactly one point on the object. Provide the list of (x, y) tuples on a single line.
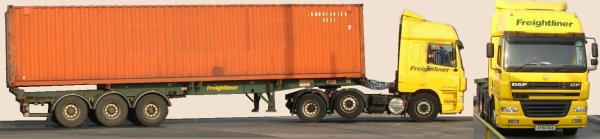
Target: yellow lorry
[(537, 68), (430, 79), (429, 67)]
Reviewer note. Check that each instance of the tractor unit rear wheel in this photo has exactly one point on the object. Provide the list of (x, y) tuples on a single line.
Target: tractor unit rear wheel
[(311, 108), (349, 105)]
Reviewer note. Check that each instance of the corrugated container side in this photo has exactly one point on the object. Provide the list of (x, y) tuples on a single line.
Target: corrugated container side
[(65, 45)]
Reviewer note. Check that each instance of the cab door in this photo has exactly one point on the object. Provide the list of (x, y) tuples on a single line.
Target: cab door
[(442, 71), (443, 74)]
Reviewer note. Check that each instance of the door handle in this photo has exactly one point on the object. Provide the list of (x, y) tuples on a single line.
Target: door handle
[(455, 70)]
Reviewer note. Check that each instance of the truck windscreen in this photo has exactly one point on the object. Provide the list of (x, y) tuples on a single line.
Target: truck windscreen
[(532, 56)]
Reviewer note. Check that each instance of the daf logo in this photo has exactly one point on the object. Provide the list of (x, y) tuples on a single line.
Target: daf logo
[(575, 84), (519, 84), (546, 77)]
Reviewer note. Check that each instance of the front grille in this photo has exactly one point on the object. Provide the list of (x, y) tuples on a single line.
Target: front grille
[(545, 108), (527, 95), (547, 85)]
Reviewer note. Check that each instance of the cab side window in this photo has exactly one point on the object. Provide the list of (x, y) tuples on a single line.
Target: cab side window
[(499, 54), (441, 54)]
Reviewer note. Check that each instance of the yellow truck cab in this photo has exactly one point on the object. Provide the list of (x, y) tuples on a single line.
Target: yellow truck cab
[(537, 68), (430, 71)]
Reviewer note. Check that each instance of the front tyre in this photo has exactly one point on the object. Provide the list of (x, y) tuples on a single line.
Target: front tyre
[(151, 110), (311, 108), (423, 107)]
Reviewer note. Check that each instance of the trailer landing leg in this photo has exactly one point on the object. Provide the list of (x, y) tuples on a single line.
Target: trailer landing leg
[(256, 101), (271, 102)]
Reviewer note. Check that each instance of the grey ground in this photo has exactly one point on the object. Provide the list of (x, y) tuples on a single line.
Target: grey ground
[(377, 126), (592, 131)]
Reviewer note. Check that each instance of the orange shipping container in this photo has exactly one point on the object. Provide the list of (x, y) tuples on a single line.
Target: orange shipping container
[(65, 45)]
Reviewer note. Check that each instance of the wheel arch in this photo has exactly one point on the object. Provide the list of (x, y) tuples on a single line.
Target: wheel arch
[(297, 94), (137, 98), (432, 92), (108, 93), (88, 104)]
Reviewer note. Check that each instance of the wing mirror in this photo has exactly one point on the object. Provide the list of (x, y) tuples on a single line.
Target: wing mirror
[(595, 50), (490, 50), (460, 45), (594, 63)]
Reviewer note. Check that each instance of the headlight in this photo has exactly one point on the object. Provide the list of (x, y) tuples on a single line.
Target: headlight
[(509, 109), (579, 109)]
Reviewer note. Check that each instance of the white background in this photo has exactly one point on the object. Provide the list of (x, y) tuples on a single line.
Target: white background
[(471, 18)]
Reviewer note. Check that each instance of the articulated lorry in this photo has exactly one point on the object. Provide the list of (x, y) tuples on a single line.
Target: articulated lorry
[(537, 68), (140, 57)]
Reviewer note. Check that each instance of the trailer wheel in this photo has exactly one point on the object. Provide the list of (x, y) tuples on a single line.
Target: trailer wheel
[(132, 117), (311, 108), (151, 110), (423, 107), (70, 111), (570, 131), (92, 117), (111, 110), (349, 105)]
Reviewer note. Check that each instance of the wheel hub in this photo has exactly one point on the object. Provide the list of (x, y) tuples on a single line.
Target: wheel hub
[(151, 111), (71, 112), (310, 109), (493, 115), (111, 111), (423, 108), (349, 103)]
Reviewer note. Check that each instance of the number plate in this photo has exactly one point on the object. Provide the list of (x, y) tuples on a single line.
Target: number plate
[(545, 128)]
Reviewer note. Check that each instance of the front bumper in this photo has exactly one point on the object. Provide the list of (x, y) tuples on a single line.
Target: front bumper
[(567, 121)]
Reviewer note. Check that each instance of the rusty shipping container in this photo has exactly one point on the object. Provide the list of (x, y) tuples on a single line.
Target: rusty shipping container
[(68, 45)]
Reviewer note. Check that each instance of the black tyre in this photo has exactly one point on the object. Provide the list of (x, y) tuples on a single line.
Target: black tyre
[(132, 117), (92, 117), (311, 108), (70, 111), (151, 110), (570, 131), (491, 114), (349, 105), (111, 110), (481, 101), (423, 107)]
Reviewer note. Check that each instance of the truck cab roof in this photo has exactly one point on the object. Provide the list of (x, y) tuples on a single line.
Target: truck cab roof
[(414, 26), (530, 5)]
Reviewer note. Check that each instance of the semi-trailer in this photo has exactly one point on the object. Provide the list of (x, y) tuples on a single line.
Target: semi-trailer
[(139, 57), (537, 68)]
